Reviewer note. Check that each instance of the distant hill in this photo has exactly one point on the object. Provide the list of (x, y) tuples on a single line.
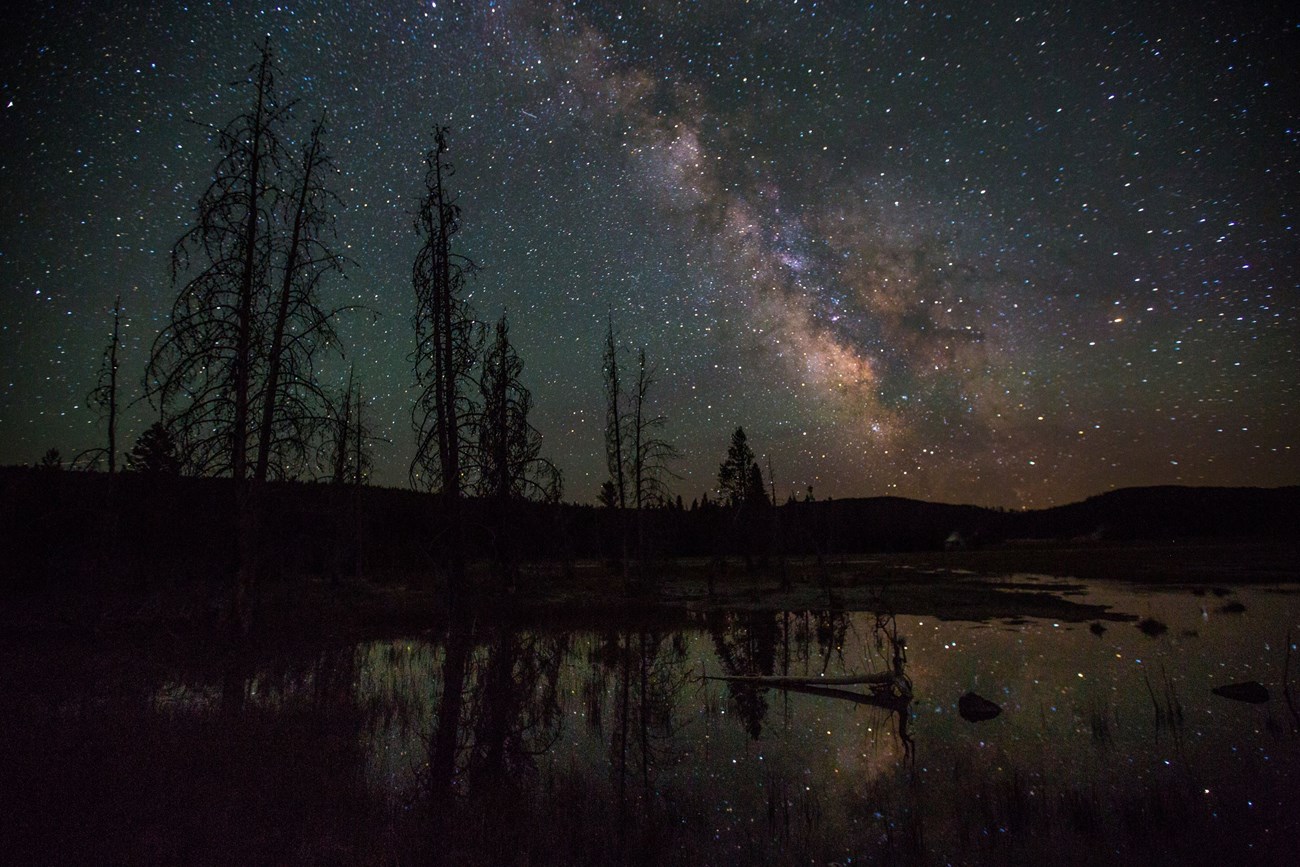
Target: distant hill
[(61, 527), (1169, 511), (1128, 514)]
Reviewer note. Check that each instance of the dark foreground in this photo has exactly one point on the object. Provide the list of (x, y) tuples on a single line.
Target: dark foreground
[(576, 722)]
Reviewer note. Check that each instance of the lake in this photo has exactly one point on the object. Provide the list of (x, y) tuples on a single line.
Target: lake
[(519, 741)]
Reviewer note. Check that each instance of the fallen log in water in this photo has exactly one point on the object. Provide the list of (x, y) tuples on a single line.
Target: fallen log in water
[(883, 678), (1252, 691), (884, 689)]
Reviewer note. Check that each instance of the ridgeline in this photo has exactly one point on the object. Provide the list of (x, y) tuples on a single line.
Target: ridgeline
[(93, 531)]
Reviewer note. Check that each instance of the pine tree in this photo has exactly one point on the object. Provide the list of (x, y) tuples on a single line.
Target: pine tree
[(154, 452), (736, 473)]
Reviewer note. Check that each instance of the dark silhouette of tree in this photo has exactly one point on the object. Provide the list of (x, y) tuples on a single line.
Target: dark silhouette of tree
[(234, 369), (614, 426), (740, 481), (154, 452), (350, 438), (342, 447), (291, 397), (508, 463), (615, 443), (104, 397), (202, 366), (650, 452), (51, 460), (755, 489), (636, 453), (447, 341), (608, 496), (735, 474)]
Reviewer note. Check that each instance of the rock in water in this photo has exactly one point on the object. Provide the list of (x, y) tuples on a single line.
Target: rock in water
[(1152, 627), (976, 708), (1251, 691)]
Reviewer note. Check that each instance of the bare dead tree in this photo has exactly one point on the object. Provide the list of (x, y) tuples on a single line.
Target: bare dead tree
[(203, 363), (292, 400), (447, 341), (447, 336), (637, 454), (508, 465), (615, 432), (509, 461), (651, 453), (234, 369), (351, 437), (103, 398), (342, 434)]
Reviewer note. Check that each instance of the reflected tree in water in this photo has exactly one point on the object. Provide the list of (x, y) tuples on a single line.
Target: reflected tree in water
[(514, 711), (498, 710), (746, 642), (640, 675), (446, 738)]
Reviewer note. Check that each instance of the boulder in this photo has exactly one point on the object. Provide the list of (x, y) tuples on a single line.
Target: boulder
[(976, 708)]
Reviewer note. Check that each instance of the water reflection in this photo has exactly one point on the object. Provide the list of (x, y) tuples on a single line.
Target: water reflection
[(750, 673), (723, 737)]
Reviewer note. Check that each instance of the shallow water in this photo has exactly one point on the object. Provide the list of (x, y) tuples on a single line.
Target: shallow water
[(615, 744)]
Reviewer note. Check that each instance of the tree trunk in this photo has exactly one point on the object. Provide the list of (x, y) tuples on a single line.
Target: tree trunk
[(246, 524), (275, 358), (112, 388)]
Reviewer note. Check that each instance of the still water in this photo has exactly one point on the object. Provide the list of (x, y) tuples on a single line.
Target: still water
[(623, 743)]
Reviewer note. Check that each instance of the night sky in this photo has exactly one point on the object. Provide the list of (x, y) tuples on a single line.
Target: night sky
[(1002, 253)]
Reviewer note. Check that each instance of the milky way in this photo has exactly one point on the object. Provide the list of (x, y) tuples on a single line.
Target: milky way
[(1010, 254)]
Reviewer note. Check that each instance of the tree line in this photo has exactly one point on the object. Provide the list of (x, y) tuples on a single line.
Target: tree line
[(234, 375)]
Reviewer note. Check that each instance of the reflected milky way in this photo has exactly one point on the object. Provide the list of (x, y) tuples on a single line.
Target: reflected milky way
[(1002, 254)]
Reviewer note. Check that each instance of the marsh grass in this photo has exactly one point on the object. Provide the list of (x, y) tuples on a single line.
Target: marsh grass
[(1102, 721), (1168, 708)]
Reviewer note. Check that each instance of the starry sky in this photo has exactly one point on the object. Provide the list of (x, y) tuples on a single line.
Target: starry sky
[(1004, 253)]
